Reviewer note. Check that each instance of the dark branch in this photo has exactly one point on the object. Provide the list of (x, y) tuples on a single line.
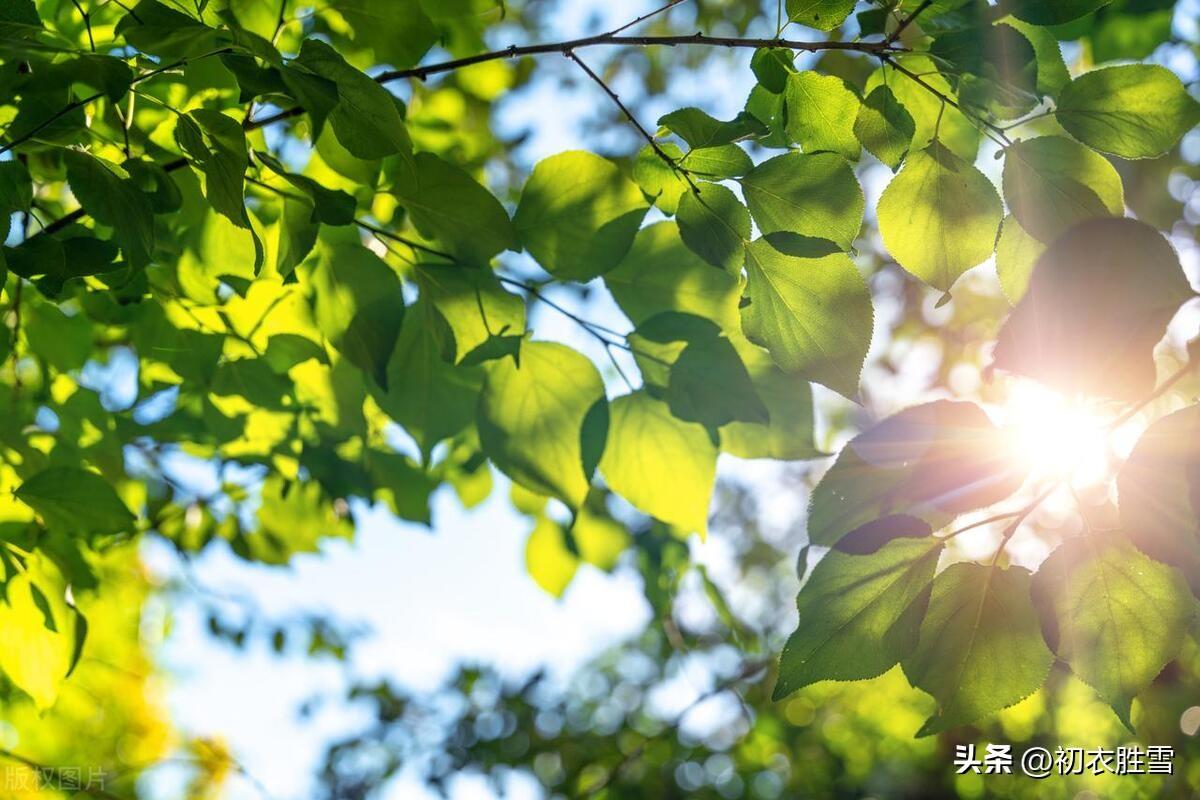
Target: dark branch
[(909, 20), (613, 40), (672, 163)]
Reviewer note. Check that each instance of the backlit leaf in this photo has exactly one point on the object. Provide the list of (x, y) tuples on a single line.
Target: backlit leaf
[(859, 614), (1099, 300), (1118, 616), (884, 127), (449, 206), (578, 215), (1052, 183), (1132, 111), (813, 314), (980, 648), (543, 418), (931, 461), (1159, 491), (810, 195), (939, 216), (662, 465), (715, 226), (821, 113), (76, 501)]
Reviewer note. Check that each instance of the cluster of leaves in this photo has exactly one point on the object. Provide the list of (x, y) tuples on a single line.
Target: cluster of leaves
[(298, 303)]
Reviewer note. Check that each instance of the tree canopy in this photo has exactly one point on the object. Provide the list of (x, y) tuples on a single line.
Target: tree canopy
[(285, 243)]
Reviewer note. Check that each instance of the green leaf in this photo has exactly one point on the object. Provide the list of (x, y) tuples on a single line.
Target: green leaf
[(930, 115), (477, 309), (216, 144), (813, 314), (431, 398), (820, 114), (599, 538), (662, 185), (859, 614), (449, 206), (992, 67), (329, 206), (398, 31), (939, 216), (697, 370), (1159, 491), (366, 119), (156, 182), (1052, 72), (931, 461), (1132, 30), (1132, 111), (19, 12), (403, 485), (813, 195), (824, 15), (717, 163), (699, 130), (788, 434), (543, 421), (660, 274), (772, 66), (548, 560), (1118, 617), (578, 215), (358, 305), (884, 127), (1016, 255), (1040, 12), (1099, 300), (40, 629), (715, 226), (109, 75), (111, 198), (1052, 183), (293, 518), (153, 28), (662, 465), (980, 649), (76, 501), (16, 187)]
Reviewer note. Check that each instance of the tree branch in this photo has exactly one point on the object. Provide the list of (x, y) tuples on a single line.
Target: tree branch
[(909, 20), (610, 39), (672, 163), (990, 127)]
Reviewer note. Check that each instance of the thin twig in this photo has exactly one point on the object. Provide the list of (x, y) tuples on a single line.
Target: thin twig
[(87, 23), (670, 162), (981, 523), (600, 40), (646, 16), (909, 20), (1022, 515), (1003, 140), (1166, 386), (78, 104)]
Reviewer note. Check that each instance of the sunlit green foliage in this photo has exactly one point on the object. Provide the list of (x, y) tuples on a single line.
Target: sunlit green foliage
[(301, 229)]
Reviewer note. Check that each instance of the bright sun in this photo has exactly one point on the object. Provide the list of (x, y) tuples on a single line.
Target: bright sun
[(1057, 437)]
